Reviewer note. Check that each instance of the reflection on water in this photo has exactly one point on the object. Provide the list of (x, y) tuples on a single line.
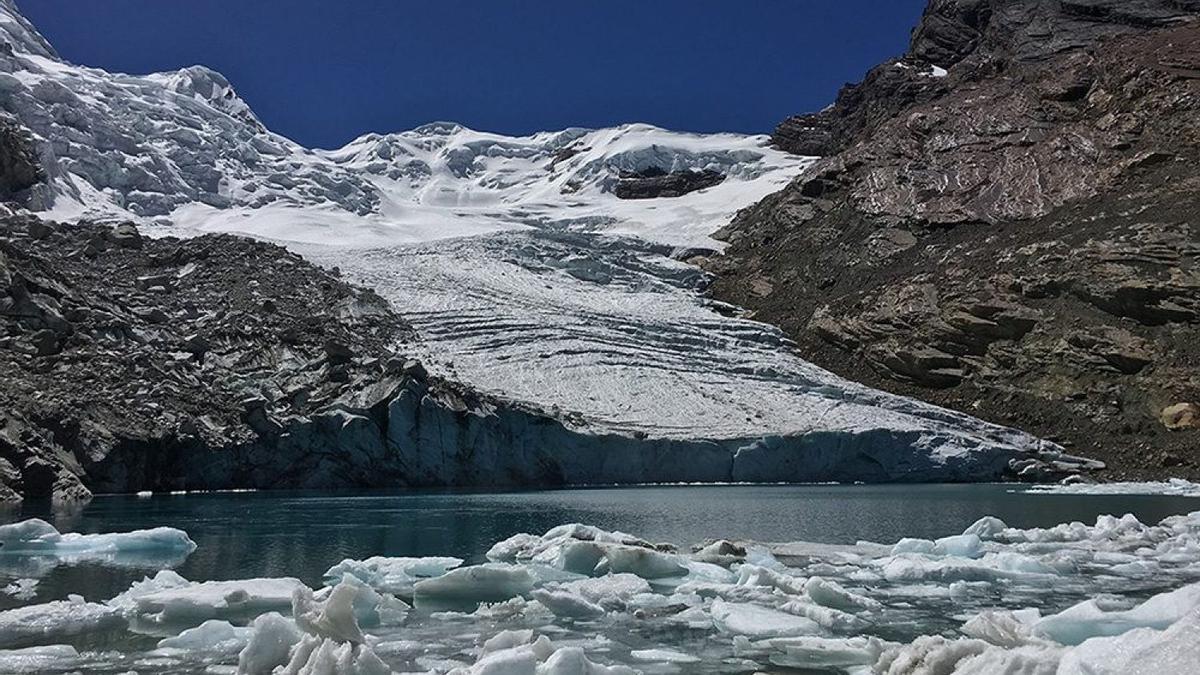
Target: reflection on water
[(302, 534)]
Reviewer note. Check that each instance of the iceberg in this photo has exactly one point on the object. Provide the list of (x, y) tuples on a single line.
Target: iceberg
[(52, 622), (36, 545), (490, 582), (36, 660), (392, 575), (759, 622), (168, 598)]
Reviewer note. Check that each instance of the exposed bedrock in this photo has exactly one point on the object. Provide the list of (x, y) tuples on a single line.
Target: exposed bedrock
[(1005, 224), (656, 183)]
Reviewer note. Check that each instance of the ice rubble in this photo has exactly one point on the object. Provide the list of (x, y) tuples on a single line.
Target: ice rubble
[(52, 622), (1087, 599), (1175, 487)]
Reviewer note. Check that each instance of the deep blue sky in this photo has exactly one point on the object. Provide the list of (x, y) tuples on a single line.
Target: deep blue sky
[(325, 71)]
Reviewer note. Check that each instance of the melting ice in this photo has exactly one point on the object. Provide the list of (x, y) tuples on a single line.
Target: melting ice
[(1116, 596)]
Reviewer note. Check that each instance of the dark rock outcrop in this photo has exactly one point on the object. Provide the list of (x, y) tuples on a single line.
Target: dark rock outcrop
[(978, 39), (656, 183), (19, 166), (1016, 238)]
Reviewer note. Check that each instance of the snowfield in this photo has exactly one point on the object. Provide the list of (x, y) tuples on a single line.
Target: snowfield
[(524, 272)]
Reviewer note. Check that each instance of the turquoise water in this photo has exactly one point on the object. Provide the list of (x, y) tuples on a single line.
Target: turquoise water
[(248, 535), (270, 534)]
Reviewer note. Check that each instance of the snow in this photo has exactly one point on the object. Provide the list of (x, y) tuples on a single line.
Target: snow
[(523, 272)]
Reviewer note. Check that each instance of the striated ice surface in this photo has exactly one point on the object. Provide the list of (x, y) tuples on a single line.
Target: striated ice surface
[(525, 274), (1113, 596)]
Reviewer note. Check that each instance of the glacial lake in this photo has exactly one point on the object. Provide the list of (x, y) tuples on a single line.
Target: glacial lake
[(302, 534)]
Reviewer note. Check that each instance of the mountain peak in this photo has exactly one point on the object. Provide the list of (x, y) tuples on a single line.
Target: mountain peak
[(19, 35)]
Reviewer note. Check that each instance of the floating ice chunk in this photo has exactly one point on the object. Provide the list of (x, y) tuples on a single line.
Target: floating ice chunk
[(22, 589), (490, 582), (826, 617), (523, 656), (370, 607), (758, 622), (53, 621), (392, 575), (986, 527), (1004, 629), (927, 655), (664, 656), (529, 656), (334, 618), (831, 594), (519, 546), (587, 550), (753, 575), (572, 661), (271, 639), (566, 604), (592, 558), (1019, 661), (992, 566), (170, 599), (962, 546), (37, 659), (37, 539), (528, 546), (810, 652), (612, 591), (721, 552), (507, 639), (1143, 650), (317, 656), (212, 635), (1087, 619)]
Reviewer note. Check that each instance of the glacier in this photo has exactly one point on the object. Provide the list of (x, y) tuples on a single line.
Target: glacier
[(527, 277)]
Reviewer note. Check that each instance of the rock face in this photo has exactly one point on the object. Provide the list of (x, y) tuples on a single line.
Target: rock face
[(655, 183), (1004, 224)]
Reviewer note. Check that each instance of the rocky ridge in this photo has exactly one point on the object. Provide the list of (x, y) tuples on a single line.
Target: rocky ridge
[(1005, 224)]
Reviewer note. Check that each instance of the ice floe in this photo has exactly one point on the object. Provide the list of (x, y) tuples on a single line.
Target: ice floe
[(1113, 596), (34, 546), (52, 622), (1175, 487)]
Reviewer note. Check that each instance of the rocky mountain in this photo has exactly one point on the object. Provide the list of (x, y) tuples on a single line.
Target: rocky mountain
[(540, 290), (1004, 223)]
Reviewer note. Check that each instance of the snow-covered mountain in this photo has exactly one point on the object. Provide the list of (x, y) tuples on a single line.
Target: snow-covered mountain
[(183, 146), (528, 277)]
